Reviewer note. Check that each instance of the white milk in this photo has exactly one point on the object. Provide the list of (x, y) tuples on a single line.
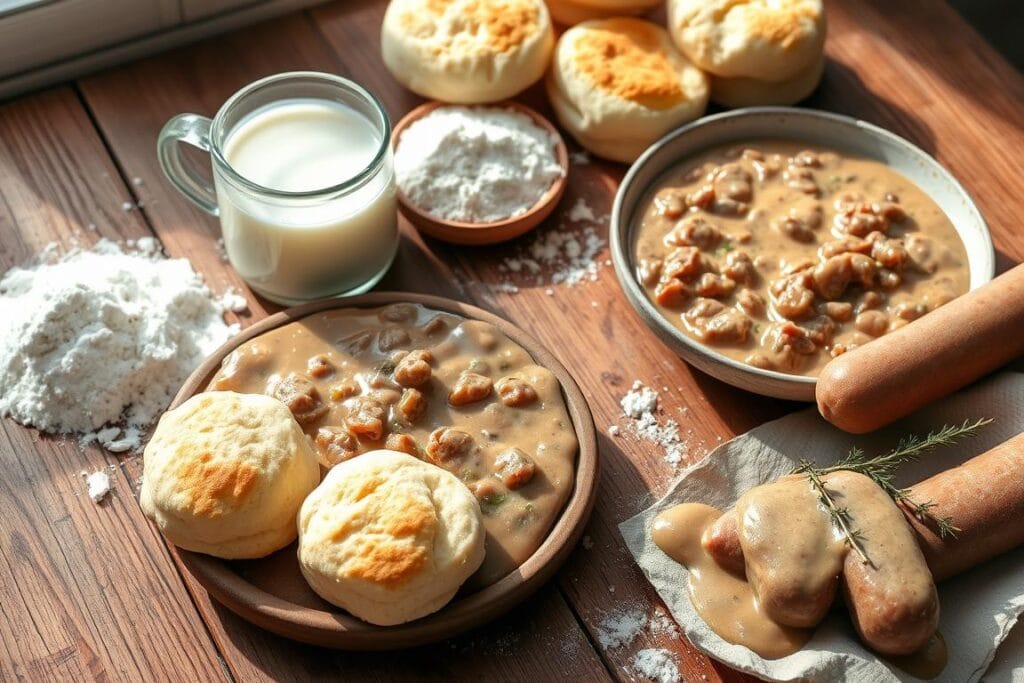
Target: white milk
[(299, 249)]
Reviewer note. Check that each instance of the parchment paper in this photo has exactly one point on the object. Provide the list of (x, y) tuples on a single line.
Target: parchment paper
[(977, 608)]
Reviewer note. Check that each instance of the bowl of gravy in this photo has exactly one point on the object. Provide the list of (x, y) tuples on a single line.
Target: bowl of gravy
[(759, 244)]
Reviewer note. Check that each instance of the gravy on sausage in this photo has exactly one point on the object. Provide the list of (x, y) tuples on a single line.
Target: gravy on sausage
[(794, 558), (783, 256), (455, 392)]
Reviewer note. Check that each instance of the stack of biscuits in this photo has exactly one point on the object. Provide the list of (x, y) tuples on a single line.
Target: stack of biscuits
[(616, 83)]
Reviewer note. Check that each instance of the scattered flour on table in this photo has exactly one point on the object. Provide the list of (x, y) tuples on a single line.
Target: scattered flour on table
[(581, 211), (639, 400), (222, 252), (96, 342), (567, 254), (233, 300), (98, 484), (619, 629), (656, 664), (475, 164), (662, 623), (640, 405)]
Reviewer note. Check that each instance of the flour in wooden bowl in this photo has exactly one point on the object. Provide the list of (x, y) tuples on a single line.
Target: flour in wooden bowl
[(475, 164), (97, 342)]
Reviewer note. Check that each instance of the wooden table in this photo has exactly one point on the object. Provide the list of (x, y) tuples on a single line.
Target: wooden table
[(89, 591)]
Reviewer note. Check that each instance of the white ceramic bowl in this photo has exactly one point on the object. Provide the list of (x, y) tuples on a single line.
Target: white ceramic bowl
[(841, 133)]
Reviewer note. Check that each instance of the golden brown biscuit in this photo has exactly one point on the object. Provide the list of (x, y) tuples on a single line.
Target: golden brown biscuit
[(389, 538), (767, 40), (749, 92), (225, 474), (572, 12), (467, 51), (617, 85)]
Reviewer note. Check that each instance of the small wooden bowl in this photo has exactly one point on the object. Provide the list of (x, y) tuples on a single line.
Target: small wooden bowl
[(271, 593), (485, 233)]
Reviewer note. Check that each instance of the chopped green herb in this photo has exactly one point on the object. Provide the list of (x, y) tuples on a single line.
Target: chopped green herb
[(757, 328), (384, 367), (834, 183), (490, 504), (527, 515), (724, 248)]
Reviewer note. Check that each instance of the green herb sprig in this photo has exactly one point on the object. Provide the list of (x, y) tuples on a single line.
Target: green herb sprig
[(882, 470)]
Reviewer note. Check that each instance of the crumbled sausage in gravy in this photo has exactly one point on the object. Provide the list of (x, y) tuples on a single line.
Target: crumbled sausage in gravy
[(455, 392), (784, 256)]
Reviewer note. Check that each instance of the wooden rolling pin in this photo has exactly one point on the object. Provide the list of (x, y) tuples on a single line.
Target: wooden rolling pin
[(931, 357)]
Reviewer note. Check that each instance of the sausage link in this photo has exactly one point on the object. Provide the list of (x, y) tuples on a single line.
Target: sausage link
[(933, 356), (984, 497), (892, 598), (721, 541)]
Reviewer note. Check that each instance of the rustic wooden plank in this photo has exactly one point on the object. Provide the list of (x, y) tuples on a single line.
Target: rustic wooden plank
[(918, 68), (292, 43), (927, 88), (596, 334), (538, 641), (606, 348), (87, 591)]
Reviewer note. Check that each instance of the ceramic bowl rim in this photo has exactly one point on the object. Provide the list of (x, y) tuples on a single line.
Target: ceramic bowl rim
[(620, 230)]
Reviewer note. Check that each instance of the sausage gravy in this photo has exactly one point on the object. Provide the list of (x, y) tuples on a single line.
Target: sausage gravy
[(455, 392), (783, 256), (794, 559)]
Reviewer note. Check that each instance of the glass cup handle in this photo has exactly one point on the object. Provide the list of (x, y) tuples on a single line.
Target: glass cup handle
[(195, 130)]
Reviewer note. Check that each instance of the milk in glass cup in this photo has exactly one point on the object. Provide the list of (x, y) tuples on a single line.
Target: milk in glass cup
[(303, 183)]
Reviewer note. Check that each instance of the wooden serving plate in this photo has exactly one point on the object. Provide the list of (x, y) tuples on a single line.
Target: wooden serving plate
[(271, 593)]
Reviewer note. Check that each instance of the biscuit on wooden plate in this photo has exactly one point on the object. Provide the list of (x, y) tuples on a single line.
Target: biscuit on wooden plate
[(225, 474), (389, 538), (467, 51), (617, 85)]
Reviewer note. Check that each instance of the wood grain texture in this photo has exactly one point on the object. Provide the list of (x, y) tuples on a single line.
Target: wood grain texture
[(599, 338), (68, 614), (290, 43), (605, 347), (87, 591)]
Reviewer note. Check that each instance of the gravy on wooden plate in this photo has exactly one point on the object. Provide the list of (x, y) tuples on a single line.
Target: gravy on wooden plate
[(783, 256), (455, 392)]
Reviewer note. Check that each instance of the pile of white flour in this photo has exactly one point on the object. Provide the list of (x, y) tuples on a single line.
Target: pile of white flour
[(97, 342), (475, 164)]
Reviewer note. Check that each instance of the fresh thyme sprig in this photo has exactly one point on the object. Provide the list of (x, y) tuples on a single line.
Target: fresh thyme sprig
[(882, 469), (840, 515)]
